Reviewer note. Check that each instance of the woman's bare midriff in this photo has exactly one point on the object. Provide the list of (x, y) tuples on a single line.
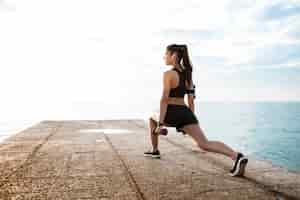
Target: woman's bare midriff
[(176, 100)]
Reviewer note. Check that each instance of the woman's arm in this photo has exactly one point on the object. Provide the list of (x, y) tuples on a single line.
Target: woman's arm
[(164, 97), (191, 96), (191, 102)]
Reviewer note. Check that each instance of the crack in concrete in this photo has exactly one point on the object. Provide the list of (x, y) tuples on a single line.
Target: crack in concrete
[(131, 179)]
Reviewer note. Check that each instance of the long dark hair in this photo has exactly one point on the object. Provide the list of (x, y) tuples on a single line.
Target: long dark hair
[(182, 59)]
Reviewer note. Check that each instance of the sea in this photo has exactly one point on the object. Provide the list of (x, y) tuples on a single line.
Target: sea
[(264, 130)]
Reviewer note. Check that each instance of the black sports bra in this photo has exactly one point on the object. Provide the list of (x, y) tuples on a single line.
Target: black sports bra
[(180, 90)]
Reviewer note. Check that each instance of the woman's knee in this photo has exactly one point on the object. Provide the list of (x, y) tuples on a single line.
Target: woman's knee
[(151, 120), (154, 116)]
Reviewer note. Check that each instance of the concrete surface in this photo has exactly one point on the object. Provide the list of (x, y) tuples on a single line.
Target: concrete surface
[(104, 160)]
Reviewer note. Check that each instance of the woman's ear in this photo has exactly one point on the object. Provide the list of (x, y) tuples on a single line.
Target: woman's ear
[(174, 56)]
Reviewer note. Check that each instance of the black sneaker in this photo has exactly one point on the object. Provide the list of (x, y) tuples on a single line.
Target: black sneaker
[(239, 165), (153, 154)]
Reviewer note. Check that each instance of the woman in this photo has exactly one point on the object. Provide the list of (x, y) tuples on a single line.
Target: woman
[(175, 113)]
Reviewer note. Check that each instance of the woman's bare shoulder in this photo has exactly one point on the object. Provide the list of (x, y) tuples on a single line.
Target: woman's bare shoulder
[(169, 73)]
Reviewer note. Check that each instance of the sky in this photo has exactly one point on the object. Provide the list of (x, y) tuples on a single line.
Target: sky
[(57, 56)]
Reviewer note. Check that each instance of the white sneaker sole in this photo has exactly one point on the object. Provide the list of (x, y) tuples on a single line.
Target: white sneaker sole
[(155, 156), (240, 168)]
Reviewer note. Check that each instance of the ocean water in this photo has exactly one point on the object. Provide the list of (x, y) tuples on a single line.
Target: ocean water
[(10, 127), (265, 130)]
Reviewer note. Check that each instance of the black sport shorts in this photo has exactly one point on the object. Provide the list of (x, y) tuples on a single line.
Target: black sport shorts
[(178, 116)]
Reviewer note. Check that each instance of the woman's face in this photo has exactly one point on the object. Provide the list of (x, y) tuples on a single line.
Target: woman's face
[(169, 59)]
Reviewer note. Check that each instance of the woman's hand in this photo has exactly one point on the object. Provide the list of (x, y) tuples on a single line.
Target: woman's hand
[(157, 130)]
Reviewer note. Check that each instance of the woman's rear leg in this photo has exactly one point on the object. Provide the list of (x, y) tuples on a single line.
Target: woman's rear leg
[(195, 131)]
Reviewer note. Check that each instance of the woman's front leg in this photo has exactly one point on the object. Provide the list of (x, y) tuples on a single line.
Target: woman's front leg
[(153, 136)]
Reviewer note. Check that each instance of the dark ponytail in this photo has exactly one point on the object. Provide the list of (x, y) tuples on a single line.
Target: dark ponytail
[(182, 59)]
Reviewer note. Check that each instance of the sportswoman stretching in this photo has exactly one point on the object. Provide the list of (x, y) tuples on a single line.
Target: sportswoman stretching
[(175, 113)]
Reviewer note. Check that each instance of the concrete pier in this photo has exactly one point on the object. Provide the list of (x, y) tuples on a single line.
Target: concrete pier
[(104, 160)]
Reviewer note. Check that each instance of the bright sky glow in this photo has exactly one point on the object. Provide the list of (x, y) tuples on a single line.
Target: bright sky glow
[(56, 53)]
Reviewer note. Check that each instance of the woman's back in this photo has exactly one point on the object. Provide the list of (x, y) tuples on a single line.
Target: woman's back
[(180, 90)]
